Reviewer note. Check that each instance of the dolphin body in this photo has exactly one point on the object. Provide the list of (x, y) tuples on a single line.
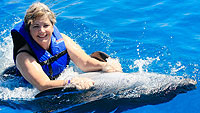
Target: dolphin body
[(120, 91)]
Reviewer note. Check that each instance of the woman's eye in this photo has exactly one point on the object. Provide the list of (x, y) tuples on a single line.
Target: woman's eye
[(46, 26), (35, 26)]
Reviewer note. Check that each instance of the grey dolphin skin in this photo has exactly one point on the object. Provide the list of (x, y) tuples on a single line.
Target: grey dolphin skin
[(121, 91)]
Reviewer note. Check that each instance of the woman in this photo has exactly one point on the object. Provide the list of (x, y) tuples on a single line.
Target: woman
[(41, 52)]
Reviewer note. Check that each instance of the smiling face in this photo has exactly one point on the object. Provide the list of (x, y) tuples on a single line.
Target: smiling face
[(41, 30)]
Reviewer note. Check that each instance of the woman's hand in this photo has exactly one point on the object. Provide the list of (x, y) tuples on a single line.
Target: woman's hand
[(82, 83), (112, 65)]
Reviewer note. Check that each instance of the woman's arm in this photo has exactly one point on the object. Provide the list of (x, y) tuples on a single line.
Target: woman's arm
[(34, 74), (84, 61)]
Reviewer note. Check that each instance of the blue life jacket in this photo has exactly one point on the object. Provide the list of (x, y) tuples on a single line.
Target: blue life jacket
[(52, 63)]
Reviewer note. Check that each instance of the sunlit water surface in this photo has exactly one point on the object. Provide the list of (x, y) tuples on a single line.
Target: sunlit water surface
[(160, 37)]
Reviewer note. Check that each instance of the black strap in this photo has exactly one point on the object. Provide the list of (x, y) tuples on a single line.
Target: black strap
[(47, 62), (51, 72), (26, 51), (53, 58)]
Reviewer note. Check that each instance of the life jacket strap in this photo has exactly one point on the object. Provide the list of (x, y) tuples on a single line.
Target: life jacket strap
[(50, 71), (53, 58)]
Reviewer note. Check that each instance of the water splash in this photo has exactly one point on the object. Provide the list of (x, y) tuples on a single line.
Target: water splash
[(12, 88), (20, 93), (177, 68), (6, 45), (67, 74), (16, 88), (141, 64)]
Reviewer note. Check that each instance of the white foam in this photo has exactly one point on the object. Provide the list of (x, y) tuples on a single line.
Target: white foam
[(177, 68), (140, 63), (20, 93), (11, 89), (6, 47), (67, 74)]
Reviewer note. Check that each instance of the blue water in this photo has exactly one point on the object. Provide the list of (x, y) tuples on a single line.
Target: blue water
[(130, 30)]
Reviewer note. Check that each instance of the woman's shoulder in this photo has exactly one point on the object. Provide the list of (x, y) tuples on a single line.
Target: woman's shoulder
[(24, 48), (65, 36), (67, 39), (24, 52)]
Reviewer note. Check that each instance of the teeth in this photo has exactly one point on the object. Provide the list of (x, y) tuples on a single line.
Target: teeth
[(42, 36)]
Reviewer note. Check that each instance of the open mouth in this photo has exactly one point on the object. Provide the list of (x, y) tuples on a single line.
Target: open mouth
[(42, 36)]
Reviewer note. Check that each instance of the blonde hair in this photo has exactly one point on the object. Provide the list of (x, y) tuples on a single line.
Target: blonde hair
[(38, 10)]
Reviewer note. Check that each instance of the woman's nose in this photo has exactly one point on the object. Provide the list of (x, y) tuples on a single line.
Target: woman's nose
[(42, 29)]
